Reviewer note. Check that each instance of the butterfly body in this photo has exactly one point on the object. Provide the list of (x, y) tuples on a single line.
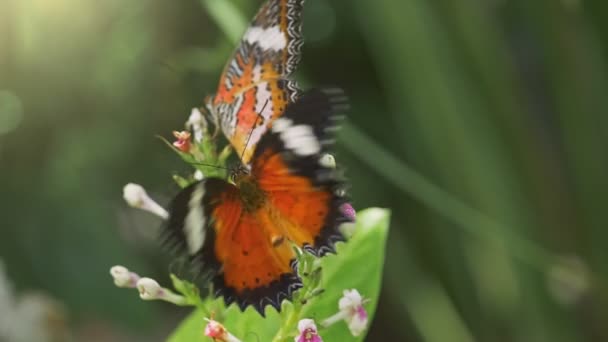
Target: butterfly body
[(251, 195)]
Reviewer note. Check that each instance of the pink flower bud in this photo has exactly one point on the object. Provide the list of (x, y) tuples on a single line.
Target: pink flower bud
[(183, 141), (218, 333)]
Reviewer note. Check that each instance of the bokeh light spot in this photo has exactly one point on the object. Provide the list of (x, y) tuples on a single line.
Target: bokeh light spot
[(11, 111)]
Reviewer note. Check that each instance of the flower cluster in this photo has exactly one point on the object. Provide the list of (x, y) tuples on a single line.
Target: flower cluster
[(351, 311), (351, 307)]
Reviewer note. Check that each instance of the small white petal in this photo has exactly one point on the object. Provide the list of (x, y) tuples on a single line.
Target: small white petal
[(306, 323), (149, 289), (135, 195), (198, 175), (351, 300), (123, 277), (357, 324)]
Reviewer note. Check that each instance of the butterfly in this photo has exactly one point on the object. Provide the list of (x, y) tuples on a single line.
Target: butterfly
[(254, 88), (240, 233)]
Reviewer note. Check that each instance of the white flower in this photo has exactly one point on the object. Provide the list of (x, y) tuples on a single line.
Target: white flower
[(123, 277), (135, 195), (196, 122), (149, 289), (218, 332), (308, 331), (351, 311), (198, 175)]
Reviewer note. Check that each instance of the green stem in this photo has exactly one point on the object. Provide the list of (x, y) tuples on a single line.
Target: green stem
[(291, 321), (434, 197)]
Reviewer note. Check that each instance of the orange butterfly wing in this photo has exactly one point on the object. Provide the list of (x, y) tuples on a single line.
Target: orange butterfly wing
[(254, 270), (255, 81), (287, 165), (233, 245)]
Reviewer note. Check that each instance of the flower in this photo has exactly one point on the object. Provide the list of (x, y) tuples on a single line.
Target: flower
[(123, 277), (348, 228), (218, 332), (308, 331), (135, 195), (183, 141), (196, 122), (149, 289), (348, 210), (351, 311)]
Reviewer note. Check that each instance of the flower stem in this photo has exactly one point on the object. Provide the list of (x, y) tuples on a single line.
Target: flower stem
[(289, 323)]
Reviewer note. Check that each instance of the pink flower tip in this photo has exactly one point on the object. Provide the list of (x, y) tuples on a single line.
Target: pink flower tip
[(214, 329), (348, 211), (183, 140), (218, 333)]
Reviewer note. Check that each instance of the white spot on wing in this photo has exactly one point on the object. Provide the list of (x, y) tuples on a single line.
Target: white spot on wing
[(194, 224), (257, 73), (271, 38), (228, 113), (300, 139), (281, 124)]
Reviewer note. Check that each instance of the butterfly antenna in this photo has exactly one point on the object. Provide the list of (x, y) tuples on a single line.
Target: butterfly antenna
[(252, 128), (169, 67)]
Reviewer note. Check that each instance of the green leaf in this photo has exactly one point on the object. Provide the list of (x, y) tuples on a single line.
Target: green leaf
[(188, 290), (357, 265), (240, 324), (191, 328)]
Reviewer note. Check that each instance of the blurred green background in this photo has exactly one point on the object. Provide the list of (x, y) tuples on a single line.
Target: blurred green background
[(482, 124)]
